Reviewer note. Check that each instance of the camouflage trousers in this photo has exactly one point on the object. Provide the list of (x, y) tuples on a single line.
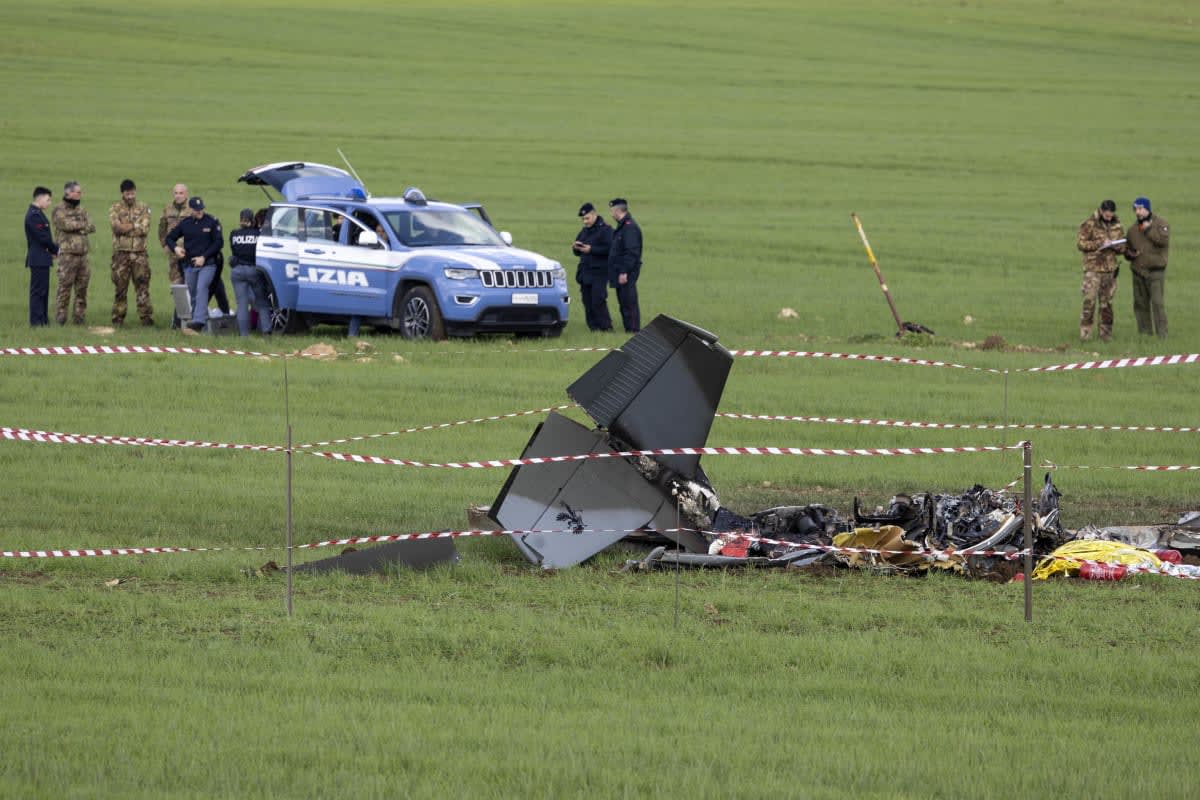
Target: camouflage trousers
[(74, 273), (126, 265), (1098, 289), (174, 270)]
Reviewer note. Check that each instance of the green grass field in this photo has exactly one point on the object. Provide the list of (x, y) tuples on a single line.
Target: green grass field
[(971, 138)]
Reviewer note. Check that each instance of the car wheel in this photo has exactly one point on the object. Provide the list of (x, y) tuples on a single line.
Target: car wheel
[(285, 320), (420, 316)]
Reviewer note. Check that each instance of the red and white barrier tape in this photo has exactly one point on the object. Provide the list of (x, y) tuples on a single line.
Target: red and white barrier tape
[(1118, 363), (127, 349), (894, 423), (438, 426), (53, 437), (922, 362), (929, 554), (676, 451), (1127, 467), (1112, 363)]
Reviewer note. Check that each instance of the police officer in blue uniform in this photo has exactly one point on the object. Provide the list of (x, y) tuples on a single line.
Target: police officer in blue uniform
[(40, 251), (591, 245), (202, 240), (625, 263), (249, 285)]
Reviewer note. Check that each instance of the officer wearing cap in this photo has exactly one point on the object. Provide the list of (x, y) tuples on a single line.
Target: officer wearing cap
[(1149, 240), (591, 245), (249, 285), (1100, 239), (625, 263), (201, 241)]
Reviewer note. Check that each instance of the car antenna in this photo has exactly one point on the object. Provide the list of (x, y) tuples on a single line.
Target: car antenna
[(353, 171)]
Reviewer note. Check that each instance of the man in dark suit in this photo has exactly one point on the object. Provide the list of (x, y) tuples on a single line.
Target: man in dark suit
[(625, 263), (39, 255)]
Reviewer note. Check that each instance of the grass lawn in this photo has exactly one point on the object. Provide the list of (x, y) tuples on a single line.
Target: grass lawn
[(971, 138)]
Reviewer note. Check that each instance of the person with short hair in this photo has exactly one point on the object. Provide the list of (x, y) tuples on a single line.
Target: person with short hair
[(249, 285), (72, 225), (40, 252), (591, 245), (173, 213), (1148, 242), (625, 263), (1100, 239), (201, 241), (130, 221)]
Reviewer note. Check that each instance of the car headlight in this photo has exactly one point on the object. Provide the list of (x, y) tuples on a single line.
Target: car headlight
[(559, 274), (460, 273)]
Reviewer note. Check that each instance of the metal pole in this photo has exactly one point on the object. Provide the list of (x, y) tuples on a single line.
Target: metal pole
[(287, 416), (677, 563), (1028, 509), (1006, 398), (289, 520)]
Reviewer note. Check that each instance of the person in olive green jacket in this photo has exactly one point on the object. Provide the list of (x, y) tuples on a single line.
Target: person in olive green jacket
[(1146, 249), (1100, 239)]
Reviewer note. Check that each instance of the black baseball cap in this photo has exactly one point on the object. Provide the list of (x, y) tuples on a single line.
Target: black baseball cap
[(196, 203)]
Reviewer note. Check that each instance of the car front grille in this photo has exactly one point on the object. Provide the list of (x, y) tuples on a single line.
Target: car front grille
[(516, 278)]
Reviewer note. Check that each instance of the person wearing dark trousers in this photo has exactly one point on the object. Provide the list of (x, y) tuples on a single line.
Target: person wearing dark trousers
[(249, 285), (40, 253), (201, 241), (625, 263), (591, 245)]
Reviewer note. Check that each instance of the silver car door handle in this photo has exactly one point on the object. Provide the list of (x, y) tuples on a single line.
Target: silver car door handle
[(271, 244), (314, 251)]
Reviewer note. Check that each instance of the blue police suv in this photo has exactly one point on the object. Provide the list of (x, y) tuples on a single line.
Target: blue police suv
[(427, 269)]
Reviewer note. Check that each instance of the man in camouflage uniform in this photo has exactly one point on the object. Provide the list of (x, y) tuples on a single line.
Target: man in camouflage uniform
[(71, 227), (172, 213), (1100, 239), (1149, 243), (130, 222)]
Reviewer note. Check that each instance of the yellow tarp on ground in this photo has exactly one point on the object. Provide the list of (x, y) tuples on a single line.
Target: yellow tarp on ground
[(1067, 559)]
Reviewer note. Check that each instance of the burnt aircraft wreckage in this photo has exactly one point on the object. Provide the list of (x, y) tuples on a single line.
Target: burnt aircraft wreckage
[(660, 391)]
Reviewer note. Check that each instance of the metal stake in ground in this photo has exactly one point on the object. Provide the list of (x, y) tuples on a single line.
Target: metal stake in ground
[(901, 327), (1027, 448)]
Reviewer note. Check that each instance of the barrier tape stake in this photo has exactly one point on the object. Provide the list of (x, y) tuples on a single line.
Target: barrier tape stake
[(287, 416), (1027, 450), (1006, 398)]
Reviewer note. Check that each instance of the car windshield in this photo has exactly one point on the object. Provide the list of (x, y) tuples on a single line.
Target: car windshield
[(443, 227)]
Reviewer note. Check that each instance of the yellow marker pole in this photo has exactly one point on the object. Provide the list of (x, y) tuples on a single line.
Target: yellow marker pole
[(875, 266)]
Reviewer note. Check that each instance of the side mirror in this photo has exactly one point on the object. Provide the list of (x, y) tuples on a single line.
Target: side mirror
[(368, 239), (507, 237)]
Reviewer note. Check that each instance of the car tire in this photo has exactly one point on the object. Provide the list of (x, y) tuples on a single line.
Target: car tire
[(420, 317), (285, 320)]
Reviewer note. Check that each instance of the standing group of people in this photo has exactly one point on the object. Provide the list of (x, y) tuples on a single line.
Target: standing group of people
[(190, 237), (609, 257), (1101, 239)]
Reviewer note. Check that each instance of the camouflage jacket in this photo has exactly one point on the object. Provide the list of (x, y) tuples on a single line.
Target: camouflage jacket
[(1147, 249), (1093, 233), (168, 220), (71, 228), (137, 215)]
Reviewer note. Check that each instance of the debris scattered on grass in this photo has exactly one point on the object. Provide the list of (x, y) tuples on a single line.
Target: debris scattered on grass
[(993, 342), (968, 319), (788, 313), (102, 330), (319, 352), (118, 581)]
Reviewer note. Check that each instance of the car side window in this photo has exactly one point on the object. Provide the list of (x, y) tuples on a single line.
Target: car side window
[(321, 225), (283, 223)]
